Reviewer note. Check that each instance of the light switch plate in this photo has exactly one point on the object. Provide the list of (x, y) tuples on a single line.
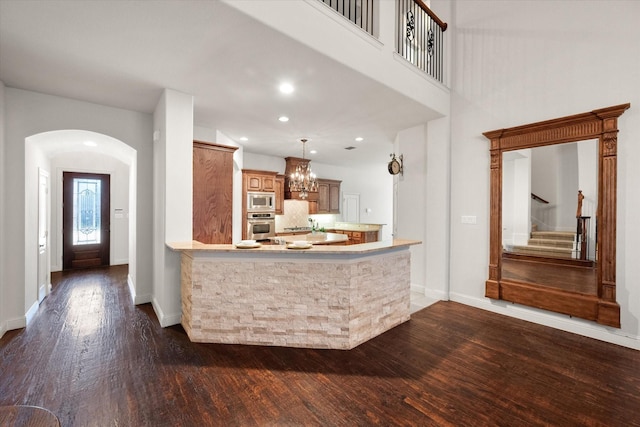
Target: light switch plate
[(468, 219)]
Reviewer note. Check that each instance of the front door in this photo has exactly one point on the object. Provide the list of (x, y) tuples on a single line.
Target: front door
[(85, 220)]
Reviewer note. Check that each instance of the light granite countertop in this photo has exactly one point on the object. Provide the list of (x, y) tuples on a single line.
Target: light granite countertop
[(317, 238), (351, 226), (364, 248)]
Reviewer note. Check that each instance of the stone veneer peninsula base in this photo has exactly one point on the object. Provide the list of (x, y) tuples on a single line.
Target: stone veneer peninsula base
[(323, 297)]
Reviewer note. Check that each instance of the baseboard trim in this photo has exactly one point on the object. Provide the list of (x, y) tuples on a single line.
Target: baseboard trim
[(165, 320), (135, 298), (552, 320), (3, 329), (430, 293), (31, 312), (19, 323), (436, 294), (417, 288)]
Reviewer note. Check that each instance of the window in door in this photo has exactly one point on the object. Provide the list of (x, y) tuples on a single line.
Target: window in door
[(86, 211)]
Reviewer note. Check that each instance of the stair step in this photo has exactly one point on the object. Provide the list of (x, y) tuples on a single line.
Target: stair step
[(566, 244), (553, 235), (549, 251)]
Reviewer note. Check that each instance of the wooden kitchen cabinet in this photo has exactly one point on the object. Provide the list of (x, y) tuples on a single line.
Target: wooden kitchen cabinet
[(279, 184), (328, 196), (259, 180), (212, 192), (357, 237), (313, 207), (370, 236), (334, 197), (323, 196)]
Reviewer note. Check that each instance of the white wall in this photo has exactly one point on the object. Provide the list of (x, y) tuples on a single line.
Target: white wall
[(30, 113), (265, 163), (119, 199), (518, 63), (554, 177), (422, 204), (3, 299), (411, 199), (173, 198)]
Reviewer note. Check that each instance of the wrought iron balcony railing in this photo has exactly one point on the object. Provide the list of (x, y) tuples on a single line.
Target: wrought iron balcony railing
[(419, 30), (420, 37), (360, 12)]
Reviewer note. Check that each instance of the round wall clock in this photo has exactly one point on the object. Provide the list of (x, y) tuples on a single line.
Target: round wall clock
[(395, 165)]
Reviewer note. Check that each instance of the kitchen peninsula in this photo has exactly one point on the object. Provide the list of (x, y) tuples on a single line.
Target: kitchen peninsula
[(328, 296)]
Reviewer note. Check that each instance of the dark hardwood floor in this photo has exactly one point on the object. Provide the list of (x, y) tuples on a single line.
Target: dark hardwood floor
[(94, 359)]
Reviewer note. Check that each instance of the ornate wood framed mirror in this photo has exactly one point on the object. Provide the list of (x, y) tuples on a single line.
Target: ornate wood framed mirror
[(581, 283)]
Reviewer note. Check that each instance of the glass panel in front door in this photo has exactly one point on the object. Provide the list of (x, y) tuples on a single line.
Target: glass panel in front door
[(86, 211)]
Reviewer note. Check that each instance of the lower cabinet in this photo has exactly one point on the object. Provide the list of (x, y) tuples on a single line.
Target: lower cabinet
[(357, 237)]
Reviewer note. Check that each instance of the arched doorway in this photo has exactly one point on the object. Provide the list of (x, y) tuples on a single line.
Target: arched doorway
[(55, 152)]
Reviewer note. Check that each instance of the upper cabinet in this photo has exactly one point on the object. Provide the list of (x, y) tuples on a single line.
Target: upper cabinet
[(212, 192), (254, 180), (328, 196), (279, 194)]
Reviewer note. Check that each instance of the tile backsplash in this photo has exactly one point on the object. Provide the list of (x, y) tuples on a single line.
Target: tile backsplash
[(296, 214)]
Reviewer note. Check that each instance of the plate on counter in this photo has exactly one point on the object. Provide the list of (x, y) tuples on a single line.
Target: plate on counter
[(298, 246), (248, 245)]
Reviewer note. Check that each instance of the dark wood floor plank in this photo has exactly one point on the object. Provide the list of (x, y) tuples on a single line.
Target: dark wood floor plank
[(94, 359)]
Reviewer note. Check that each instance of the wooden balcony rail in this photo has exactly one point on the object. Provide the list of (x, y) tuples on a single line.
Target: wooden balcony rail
[(420, 37), (360, 12), (539, 199)]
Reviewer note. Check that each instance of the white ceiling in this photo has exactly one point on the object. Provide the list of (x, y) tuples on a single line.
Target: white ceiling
[(123, 53)]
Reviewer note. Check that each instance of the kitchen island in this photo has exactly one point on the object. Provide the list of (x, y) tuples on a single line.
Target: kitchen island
[(327, 296)]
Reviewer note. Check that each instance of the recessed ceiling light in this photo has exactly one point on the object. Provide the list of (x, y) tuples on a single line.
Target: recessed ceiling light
[(283, 119), (312, 152), (359, 139), (286, 88), (90, 143), (244, 138)]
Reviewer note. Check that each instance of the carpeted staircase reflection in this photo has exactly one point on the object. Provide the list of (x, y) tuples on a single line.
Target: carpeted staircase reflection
[(556, 244)]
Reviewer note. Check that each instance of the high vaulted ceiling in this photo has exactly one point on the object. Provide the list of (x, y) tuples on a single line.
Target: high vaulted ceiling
[(124, 53)]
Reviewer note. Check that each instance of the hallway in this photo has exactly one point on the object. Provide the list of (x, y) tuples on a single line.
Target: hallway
[(94, 359)]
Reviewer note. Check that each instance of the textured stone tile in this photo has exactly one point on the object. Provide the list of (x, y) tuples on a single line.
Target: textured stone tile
[(300, 304)]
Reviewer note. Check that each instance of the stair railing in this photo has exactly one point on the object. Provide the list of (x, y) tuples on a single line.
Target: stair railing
[(420, 37), (360, 12)]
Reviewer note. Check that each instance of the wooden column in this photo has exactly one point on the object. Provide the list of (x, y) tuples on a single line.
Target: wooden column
[(492, 286)]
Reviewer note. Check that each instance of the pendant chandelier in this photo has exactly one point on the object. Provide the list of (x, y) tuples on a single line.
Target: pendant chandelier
[(303, 180)]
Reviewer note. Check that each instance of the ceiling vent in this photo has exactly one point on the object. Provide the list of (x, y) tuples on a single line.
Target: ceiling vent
[(350, 148)]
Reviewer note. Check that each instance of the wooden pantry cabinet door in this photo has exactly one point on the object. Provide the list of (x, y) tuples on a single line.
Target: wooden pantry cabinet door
[(212, 192)]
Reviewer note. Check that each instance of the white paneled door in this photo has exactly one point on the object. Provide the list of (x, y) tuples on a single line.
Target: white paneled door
[(351, 207), (43, 234)]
